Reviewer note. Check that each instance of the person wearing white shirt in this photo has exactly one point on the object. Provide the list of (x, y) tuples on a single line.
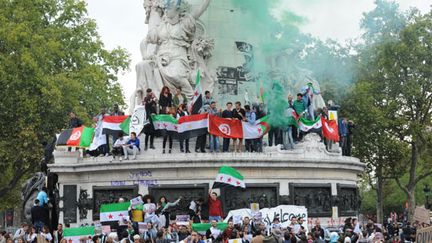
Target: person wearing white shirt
[(20, 233), (213, 233), (118, 146), (46, 234), (32, 237)]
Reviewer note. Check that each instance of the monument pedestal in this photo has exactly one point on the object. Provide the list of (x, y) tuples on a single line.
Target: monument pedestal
[(308, 175)]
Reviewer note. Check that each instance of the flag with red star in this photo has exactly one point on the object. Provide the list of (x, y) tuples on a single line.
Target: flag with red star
[(114, 211), (229, 176), (77, 235)]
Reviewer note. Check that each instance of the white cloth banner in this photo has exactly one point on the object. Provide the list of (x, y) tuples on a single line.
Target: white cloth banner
[(99, 138), (138, 120), (283, 212)]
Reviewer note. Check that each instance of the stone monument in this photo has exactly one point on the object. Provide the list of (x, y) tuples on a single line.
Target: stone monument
[(184, 37)]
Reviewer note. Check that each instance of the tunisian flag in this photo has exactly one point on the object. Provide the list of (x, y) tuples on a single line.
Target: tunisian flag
[(330, 129), (227, 128)]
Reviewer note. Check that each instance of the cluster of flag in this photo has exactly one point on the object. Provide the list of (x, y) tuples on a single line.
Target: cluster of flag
[(199, 124), (329, 128)]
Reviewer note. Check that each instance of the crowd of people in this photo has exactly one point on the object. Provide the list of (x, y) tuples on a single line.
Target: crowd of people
[(178, 105), (162, 226)]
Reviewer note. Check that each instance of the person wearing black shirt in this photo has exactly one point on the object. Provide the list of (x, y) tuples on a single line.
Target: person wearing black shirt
[(238, 113), (150, 103), (181, 111), (74, 121), (165, 100), (228, 113), (37, 216)]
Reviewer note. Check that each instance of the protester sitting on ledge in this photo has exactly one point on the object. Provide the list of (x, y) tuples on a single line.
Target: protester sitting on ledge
[(132, 147), (118, 146)]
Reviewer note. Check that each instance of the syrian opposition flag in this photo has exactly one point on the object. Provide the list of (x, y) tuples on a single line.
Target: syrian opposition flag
[(165, 124), (330, 129), (305, 125), (228, 176), (114, 211), (197, 101), (77, 235), (192, 126), (111, 124), (233, 128), (76, 137)]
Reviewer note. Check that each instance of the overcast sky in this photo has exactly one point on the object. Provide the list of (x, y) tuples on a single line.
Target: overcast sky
[(121, 23)]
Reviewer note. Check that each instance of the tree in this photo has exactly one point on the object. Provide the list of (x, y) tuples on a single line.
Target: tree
[(52, 62), (375, 146), (393, 100)]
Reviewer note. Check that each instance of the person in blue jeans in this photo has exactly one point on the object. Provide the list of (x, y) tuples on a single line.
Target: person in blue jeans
[(214, 140)]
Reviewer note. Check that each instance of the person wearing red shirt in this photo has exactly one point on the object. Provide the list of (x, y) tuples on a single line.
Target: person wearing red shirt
[(215, 207)]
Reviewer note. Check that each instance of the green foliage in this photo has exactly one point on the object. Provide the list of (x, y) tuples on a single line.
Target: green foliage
[(391, 105), (52, 62)]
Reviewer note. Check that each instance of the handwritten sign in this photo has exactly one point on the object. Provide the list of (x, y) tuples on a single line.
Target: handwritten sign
[(142, 227), (136, 201), (283, 212), (182, 219)]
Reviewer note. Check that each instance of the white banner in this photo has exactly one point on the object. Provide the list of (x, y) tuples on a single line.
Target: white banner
[(99, 138), (283, 212), (138, 120)]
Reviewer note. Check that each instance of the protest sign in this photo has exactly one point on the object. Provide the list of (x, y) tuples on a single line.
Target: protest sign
[(182, 219), (136, 201), (239, 240), (254, 207), (237, 219), (283, 212), (142, 227)]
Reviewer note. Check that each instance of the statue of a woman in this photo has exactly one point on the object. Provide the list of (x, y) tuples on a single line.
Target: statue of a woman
[(174, 37)]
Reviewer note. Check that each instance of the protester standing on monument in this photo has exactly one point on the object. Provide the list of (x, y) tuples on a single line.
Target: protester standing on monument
[(116, 111), (132, 147), (207, 99), (184, 143), (165, 100), (215, 207), (179, 98), (168, 136), (150, 104), (228, 114), (343, 133), (214, 140), (238, 113), (250, 118), (104, 148)]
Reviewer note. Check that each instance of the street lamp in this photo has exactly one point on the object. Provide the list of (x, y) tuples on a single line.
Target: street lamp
[(427, 192)]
